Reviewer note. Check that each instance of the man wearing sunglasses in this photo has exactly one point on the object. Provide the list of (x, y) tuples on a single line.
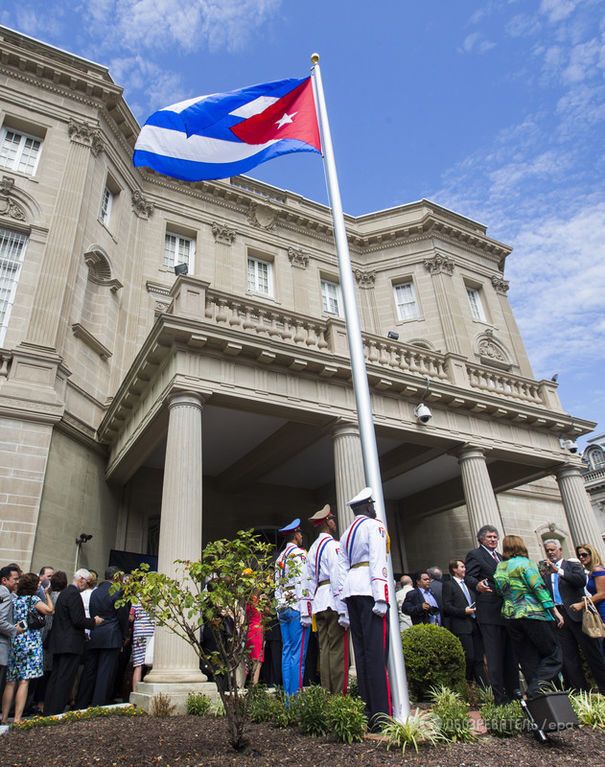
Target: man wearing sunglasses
[(566, 581)]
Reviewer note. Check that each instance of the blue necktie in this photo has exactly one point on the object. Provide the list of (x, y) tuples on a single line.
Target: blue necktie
[(465, 591), (555, 589)]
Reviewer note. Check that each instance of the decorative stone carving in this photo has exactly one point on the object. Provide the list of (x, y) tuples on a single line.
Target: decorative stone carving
[(500, 284), (297, 258), (99, 269), (440, 264), (263, 216), (8, 206), (86, 134), (142, 207), (365, 280), (223, 233)]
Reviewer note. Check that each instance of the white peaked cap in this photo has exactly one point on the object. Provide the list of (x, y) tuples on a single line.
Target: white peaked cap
[(363, 497)]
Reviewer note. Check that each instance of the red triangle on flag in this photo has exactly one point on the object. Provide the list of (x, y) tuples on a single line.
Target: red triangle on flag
[(291, 116)]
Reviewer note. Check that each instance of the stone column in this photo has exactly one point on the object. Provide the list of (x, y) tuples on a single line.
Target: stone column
[(578, 510), (481, 503), (348, 470), (180, 526), (51, 303)]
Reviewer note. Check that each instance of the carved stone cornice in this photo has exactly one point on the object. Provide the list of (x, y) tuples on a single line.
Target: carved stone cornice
[(141, 206), (223, 234), (440, 264), (263, 216), (297, 258), (500, 284), (87, 135), (365, 279), (8, 206)]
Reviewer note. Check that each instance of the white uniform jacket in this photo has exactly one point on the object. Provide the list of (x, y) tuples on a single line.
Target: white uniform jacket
[(290, 577), (324, 577), (363, 553)]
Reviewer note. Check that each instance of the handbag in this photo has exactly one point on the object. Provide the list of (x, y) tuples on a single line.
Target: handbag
[(35, 620), (592, 623), (149, 651)]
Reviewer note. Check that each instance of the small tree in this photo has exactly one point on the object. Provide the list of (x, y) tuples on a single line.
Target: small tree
[(213, 593)]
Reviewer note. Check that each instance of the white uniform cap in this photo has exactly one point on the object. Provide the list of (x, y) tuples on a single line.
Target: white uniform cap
[(364, 496)]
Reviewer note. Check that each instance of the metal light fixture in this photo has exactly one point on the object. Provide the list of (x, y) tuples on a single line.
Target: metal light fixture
[(393, 335), (181, 269)]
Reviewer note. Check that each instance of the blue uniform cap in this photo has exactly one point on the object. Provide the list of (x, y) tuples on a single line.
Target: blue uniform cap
[(294, 525)]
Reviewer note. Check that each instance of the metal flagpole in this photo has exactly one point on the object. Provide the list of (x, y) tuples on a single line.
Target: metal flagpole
[(399, 683)]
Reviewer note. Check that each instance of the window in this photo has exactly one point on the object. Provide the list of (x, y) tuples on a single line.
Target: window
[(331, 298), (597, 458), (178, 249), (405, 299), (260, 277), (474, 299), (12, 250), (19, 152), (106, 205)]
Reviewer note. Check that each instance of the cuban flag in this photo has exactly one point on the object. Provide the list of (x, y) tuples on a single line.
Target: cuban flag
[(226, 134)]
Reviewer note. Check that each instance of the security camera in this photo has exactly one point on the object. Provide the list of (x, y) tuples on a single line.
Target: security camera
[(84, 538), (569, 444), (423, 413)]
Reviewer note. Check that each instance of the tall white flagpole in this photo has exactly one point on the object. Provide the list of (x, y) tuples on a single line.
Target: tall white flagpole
[(398, 679)]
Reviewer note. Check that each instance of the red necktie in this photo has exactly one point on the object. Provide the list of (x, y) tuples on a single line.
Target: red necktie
[(495, 556)]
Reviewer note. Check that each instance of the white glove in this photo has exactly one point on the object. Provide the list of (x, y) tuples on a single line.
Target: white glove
[(305, 621), (380, 608), (343, 621)]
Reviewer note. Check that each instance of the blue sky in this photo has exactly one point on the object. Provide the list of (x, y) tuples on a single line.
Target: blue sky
[(495, 109)]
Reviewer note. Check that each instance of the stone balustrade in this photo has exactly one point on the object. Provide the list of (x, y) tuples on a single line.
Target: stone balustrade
[(594, 475), (497, 382)]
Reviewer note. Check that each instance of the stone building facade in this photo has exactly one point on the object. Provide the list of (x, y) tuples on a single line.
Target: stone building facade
[(154, 412)]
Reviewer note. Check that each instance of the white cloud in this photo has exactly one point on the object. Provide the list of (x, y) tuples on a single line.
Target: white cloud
[(558, 10), (142, 76), (476, 43)]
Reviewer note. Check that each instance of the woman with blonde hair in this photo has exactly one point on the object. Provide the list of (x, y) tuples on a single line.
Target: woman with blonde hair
[(592, 563), (529, 615)]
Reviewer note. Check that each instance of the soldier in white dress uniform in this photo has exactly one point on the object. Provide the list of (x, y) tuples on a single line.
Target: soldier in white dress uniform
[(324, 576), (363, 552)]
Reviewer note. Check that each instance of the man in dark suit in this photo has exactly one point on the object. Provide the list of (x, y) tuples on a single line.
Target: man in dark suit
[(420, 603), (66, 643), (103, 647), (502, 665), (459, 607), (566, 580)]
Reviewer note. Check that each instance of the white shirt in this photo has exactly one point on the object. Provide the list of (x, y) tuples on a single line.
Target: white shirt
[(289, 577), (323, 564), (365, 540)]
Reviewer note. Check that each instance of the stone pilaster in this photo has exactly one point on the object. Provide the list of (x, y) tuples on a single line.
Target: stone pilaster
[(50, 311), (441, 269), (348, 470), (578, 509), (180, 527), (481, 503)]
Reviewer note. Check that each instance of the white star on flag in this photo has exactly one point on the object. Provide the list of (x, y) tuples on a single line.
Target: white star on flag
[(285, 119)]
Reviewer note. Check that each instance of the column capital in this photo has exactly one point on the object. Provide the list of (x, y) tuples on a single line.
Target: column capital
[(568, 469), (469, 451), (342, 427), (187, 399), (86, 134)]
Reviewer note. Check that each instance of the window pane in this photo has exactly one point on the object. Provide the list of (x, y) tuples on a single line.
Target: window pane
[(12, 249), (9, 149), (329, 292), (474, 299), (405, 296), (106, 206), (19, 152), (177, 250), (259, 276), (29, 155)]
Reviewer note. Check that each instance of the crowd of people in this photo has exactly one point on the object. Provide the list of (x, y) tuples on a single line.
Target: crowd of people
[(71, 644)]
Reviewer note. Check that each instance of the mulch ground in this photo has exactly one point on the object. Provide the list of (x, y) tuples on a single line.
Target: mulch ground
[(202, 742)]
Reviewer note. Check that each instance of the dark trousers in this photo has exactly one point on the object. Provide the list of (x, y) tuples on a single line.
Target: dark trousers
[(333, 652), (370, 635), (502, 666), (538, 650), (572, 640), (60, 684), (98, 674), (472, 644)]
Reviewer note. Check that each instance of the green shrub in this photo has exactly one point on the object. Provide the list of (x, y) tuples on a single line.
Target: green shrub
[(433, 657), (94, 712), (452, 715), (353, 687), (589, 708), (259, 702), (420, 727), (346, 719), (198, 704), (283, 710), (312, 711), (217, 709), (503, 721)]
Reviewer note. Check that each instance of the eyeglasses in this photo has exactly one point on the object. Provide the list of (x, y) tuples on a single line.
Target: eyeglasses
[(583, 554)]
